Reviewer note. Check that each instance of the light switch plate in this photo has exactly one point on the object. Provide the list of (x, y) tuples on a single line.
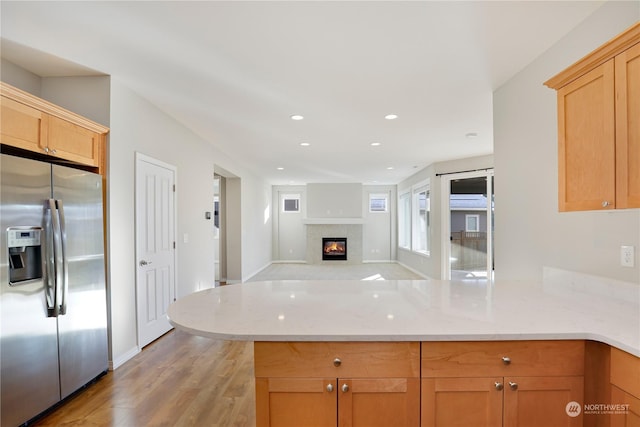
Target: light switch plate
[(627, 256)]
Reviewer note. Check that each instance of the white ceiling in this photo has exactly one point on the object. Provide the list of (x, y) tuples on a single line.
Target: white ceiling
[(234, 72)]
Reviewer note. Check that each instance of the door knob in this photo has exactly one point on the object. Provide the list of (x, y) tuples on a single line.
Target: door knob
[(143, 263)]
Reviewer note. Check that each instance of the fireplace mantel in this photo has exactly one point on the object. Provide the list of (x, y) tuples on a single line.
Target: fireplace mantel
[(332, 221)]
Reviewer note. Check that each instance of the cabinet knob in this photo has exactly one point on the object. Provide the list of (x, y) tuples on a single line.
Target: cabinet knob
[(337, 362), (499, 386), (345, 388), (330, 388), (513, 386), (46, 149), (605, 204), (54, 151), (506, 360)]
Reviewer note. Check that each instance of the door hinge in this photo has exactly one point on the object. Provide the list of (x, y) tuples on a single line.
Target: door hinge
[(174, 188), (174, 245)]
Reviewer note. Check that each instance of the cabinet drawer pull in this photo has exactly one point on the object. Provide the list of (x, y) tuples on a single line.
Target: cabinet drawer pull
[(499, 386), (605, 204), (506, 360), (345, 388), (330, 388), (337, 362), (513, 386)]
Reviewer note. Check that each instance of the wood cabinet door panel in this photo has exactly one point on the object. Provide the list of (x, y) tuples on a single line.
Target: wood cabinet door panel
[(629, 417), (627, 69), (586, 141), (379, 402), (294, 402), (461, 402), (542, 401), (22, 126), (625, 371), (72, 142)]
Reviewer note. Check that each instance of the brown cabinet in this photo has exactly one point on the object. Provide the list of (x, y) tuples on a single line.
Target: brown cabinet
[(503, 383), (598, 130), (625, 389), (343, 384), (32, 124)]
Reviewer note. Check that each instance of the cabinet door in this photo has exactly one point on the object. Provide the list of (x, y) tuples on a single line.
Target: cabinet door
[(586, 141), (462, 402), (379, 402), (628, 417), (294, 402), (72, 142), (542, 401), (22, 126), (628, 128)]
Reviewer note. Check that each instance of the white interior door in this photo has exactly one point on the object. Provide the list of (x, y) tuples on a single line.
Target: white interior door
[(155, 246)]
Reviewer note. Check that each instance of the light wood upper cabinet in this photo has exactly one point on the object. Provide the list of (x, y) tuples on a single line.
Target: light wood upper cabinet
[(33, 124), (598, 130), (627, 66)]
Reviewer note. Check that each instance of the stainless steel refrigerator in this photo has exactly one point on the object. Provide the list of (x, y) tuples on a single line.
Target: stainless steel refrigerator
[(53, 313)]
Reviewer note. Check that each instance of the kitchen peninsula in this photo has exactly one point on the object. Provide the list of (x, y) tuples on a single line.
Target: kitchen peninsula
[(410, 351)]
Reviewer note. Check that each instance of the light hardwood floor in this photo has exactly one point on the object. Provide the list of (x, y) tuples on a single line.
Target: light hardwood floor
[(178, 380)]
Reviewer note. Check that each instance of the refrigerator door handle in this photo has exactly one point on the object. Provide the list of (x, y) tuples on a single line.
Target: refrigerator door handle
[(52, 260), (65, 263)]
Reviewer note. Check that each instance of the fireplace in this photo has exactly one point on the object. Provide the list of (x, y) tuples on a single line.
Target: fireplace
[(334, 248)]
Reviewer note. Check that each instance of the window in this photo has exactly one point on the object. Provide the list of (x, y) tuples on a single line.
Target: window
[(404, 221), (378, 202), (291, 203), (472, 222), (421, 219)]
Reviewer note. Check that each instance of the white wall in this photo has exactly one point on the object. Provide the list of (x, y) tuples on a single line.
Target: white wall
[(530, 232), (329, 201), (137, 125)]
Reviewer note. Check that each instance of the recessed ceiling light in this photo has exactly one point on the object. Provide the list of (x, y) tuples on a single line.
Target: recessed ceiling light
[(297, 117), (305, 144), (390, 168), (376, 144), (391, 116), (280, 168)]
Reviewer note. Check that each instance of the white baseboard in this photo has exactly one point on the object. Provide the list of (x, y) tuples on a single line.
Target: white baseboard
[(419, 273), (115, 364)]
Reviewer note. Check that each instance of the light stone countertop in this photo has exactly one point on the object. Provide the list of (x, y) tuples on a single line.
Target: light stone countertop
[(409, 310)]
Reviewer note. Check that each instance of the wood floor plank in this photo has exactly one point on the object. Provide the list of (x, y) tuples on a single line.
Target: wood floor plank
[(178, 380)]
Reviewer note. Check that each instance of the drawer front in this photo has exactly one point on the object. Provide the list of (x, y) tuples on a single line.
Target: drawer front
[(625, 371), (337, 359), (502, 358)]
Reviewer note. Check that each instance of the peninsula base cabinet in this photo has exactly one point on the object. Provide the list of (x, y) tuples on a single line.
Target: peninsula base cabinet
[(498, 401), (318, 384), (502, 383)]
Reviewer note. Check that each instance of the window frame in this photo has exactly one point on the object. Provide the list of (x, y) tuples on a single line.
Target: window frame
[(379, 196), (292, 196)]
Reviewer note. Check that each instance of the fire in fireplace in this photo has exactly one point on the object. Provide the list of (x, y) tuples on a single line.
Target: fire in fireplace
[(334, 248)]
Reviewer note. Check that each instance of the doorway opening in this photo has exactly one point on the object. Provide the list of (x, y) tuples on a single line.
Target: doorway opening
[(468, 226)]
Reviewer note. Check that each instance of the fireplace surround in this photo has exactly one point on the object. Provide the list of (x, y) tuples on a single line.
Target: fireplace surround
[(334, 248)]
